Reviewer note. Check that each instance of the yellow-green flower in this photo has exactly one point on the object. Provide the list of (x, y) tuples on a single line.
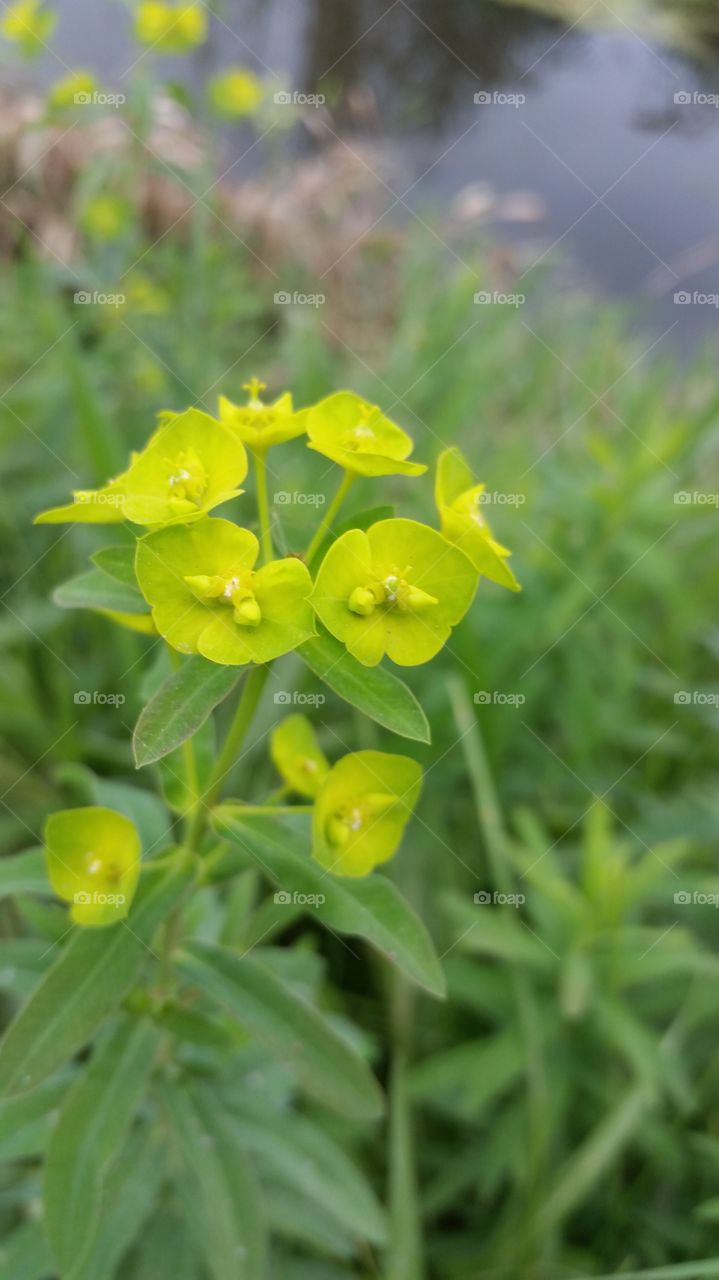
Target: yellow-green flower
[(397, 589), (235, 93), (93, 862), (261, 425), (206, 596), (105, 217), (358, 436), (170, 28), (460, 505), (190, 465), (72, 90), (297, 755), (362, 809), (28, 25)]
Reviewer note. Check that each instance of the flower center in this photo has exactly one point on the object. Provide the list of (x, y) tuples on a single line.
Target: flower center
[(353, 818), (186, 482), (395, 591), (235, 591), (97, 866), (360, 438)]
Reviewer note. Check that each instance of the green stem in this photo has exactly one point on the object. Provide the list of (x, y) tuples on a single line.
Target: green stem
[(263, 505), (266, 808), (189, 761), (244, 714), (325, 526)]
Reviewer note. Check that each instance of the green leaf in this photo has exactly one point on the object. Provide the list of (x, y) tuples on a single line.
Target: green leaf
[(373, 690), (97, 590), (290, 1027), (181, 705), (298, 1153), (91, 976), (24, 873), (25, 1255), (128, 1200), (371, 908), (223, 1202), (119, 562), (26, 1122), (94, 1119)]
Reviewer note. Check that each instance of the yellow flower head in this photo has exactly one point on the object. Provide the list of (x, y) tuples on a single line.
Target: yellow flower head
[(28, 25), (105, 217), (358, 436), (235, 93), (207, 597), (461, 512), (73, 90), (261, 425), (190, 465), (397, 590), (170, 28), (297, 755), (93, 862), (362, 809)]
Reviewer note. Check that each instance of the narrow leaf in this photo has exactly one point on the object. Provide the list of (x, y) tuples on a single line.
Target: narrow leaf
[(91, 976), (128, 1200), (181, 705), (373, 690), (370, 908), (119, 562), (98, 590), (93, 1122), (23, 873), (288, 1026)]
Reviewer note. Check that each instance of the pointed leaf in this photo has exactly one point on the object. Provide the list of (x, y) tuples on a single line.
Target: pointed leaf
[(373, 690), (288, 1026), (98, 590), (179, 708)]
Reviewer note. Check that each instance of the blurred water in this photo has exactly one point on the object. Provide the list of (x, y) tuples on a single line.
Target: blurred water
[(628, 177)]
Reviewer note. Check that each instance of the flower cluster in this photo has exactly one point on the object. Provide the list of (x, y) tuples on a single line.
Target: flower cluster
[(394, 587)]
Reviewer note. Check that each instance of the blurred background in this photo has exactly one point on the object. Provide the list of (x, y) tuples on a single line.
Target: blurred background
[(498, 222)]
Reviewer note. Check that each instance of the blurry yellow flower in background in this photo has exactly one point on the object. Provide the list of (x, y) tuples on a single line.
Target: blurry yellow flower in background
[(170, 28), (28, 25), (235, 93), (105, 217), (72, 90)]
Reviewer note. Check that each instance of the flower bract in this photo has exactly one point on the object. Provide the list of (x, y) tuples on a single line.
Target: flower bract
[(461, 507), (208, 598), (258, 424), (397, 589), (297, 755), (357, 436), (362, 808), (93, 862)]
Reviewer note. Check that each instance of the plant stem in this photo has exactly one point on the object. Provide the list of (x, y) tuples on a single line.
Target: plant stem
[(263, 505), (244, 714), (189, 761), (325, 525), (267, 808)]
